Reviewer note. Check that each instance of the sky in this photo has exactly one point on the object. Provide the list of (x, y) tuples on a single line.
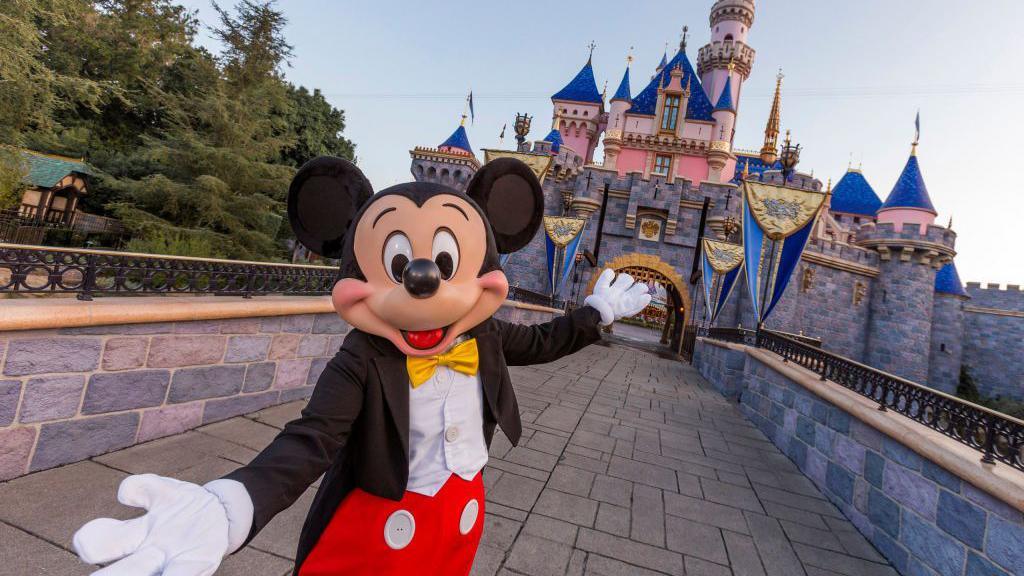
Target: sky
[(856, 73)]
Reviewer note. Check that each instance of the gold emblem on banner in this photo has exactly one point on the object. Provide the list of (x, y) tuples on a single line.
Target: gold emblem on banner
[(723, 256), (562, 229), (779, 210), (539, 163)]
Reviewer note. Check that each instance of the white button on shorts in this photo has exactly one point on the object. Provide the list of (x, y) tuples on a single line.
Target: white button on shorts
[(399, 529), (469, 516)]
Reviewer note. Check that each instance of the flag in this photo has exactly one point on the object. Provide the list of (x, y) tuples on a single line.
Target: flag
[(917, 127), (722, 265), (502, 135), (777, 223), (469, 100)]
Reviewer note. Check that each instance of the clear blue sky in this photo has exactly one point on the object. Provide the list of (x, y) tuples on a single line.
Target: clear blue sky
[(856, 73)]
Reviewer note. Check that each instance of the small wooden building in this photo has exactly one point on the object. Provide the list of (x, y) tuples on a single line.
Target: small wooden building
[(55, 184)]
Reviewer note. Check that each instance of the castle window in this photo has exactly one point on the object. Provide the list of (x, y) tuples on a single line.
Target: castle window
[(585, 113), (856, 219), (728, 37), (670, 114), (662, 164)]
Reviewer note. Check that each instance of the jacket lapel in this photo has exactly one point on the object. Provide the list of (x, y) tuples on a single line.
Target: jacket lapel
[(394, 379), (490, 369)]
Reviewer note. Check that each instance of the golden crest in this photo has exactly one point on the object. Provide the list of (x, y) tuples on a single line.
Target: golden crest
[(779, 210), (562, 229), (723, 256), (650, 228), (539, 163)]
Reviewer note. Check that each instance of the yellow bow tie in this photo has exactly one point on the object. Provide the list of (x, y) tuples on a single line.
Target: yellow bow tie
[(462, 358)]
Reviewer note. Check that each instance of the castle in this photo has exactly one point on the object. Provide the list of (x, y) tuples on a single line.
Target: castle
[(877, 282)]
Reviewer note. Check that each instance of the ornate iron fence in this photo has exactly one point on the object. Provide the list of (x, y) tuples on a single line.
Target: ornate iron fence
[(997, 436), (530, 297), (87, 272)]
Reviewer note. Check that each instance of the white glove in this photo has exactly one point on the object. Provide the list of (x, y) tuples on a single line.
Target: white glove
[(617, 299), (187, 530)]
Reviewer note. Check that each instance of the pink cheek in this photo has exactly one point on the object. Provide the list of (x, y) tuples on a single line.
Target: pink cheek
[(496, 281), (349, 292)]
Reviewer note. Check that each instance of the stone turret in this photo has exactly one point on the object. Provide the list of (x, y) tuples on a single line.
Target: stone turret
[(452, 163), (947, 335)]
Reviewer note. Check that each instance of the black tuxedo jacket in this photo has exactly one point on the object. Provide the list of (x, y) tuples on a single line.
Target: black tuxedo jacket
[(356, 424)]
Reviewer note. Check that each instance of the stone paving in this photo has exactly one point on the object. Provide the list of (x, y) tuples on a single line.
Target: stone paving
[(630, 464)]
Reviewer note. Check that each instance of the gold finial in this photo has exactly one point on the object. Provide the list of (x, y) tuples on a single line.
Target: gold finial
[(591, 46), (732, 64), (682, 41), (463, 121), (629, 57), (950, 225), (913, 148), (829, 189), (746, 169), (604, 90)]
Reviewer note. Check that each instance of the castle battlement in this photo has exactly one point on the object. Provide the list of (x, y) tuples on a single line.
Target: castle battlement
[(845, 252), (933, 233)]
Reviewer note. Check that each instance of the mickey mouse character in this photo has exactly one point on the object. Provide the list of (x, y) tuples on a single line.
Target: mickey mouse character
[(401, 418)]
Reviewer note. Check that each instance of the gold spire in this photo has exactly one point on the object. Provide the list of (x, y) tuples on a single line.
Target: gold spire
[(746, 169), (769, 152)]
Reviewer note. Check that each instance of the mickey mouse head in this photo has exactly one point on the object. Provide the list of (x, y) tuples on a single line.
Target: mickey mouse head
[(419, 261)]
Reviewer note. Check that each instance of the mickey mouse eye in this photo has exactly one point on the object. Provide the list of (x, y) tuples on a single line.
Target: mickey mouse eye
[(445, 253), (397, 253)]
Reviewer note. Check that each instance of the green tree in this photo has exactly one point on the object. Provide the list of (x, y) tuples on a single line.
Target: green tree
[(317, 126)]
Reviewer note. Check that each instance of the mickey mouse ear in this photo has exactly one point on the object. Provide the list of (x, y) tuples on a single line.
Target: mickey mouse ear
[(325, 194), (509, 193)]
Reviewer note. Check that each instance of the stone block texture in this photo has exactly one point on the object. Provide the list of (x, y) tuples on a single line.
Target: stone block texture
[(922, 518), (993, 332), (75, 393)]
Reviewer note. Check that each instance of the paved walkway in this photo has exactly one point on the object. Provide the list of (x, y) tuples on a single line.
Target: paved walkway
[(630, 464)]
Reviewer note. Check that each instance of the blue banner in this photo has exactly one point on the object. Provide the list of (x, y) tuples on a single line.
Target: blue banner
[(569, 262)]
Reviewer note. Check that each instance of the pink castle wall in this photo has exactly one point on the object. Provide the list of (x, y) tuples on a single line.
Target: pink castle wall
[(903, 216), (631, 160), (693, 168)]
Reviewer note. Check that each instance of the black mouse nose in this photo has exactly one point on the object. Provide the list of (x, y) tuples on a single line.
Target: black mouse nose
[(421, 278)]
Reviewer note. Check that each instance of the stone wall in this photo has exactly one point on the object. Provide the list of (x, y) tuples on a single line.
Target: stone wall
[(947, 342), (72, 393), (993, 339), (924, 519), (722, 365)]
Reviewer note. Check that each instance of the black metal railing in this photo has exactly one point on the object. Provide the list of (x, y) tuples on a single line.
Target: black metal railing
[(736, 335), (997, 436), (88, 272), (530, 297)]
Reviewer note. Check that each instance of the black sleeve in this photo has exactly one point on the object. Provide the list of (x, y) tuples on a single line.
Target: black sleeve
[(305, 448), (524, 345)]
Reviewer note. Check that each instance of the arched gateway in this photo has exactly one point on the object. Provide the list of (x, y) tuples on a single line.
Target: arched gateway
[(650, 268)]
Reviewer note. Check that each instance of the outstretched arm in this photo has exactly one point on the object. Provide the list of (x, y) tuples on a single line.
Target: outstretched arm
[(611, 300), (188, 529)]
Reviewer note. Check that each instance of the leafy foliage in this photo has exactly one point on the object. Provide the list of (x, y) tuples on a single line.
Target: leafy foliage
[(196, 150)]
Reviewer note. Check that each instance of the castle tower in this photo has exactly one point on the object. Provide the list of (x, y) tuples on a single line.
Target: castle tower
[(727, 59), (854, 201), (770, 150), (620, 102), (947, 330), (903, 294), (452, 163), (909, 203), (578, 108)]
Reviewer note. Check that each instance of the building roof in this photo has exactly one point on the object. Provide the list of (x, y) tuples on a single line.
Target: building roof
[(664, 60), (458, 140), (555, 137), (582, 88), (947, 281), (909, 191), (757, 166), (698, 107), (46, 170), (854, 195), (725, 100), (623, 91)]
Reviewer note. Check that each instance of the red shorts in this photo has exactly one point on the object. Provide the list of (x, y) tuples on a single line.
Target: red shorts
[(373, 536)]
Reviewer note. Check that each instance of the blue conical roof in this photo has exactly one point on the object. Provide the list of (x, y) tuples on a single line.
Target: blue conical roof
[(725, 100), (555, 137), (623, 91), (698, 107), (910, 191), (664, 60), (458, 139), (582, 88), (854, 195), (947, 281)]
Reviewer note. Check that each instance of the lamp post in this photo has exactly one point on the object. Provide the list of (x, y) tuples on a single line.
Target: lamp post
[(522, 127), (789, 158)]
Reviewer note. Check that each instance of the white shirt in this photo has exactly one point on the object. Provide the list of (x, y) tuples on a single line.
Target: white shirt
[(446, 430)]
